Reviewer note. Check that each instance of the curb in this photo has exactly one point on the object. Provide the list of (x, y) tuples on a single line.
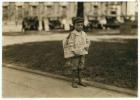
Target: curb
[(94, 84)]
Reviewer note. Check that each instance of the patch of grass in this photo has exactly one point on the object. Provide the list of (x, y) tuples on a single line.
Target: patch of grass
[(114, 63)]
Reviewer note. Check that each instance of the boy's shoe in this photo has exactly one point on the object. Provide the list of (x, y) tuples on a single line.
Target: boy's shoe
[(74, 85), (82, 84)]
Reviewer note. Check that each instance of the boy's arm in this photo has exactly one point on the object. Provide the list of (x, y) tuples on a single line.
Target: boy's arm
[(70, 42), (68, 46), (87, 43)]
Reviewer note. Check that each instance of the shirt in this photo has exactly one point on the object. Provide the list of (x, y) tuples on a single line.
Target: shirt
[(76, 43)]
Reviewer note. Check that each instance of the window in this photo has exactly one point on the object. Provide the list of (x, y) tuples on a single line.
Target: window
[(34, 10), (95, 6), (64, 11), (95, 10), (113, 12), (20, 12), (49, 10), (5, 13)]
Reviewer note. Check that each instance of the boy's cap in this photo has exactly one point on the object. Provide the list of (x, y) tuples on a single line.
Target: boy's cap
[(77, 19)]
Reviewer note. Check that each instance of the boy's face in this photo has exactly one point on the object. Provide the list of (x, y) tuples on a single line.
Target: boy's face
[(79, 26)]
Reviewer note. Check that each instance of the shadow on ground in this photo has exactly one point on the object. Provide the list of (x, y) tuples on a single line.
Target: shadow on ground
[(114, 63)]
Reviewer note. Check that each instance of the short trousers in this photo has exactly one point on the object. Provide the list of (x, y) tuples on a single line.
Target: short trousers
[(76, 62)]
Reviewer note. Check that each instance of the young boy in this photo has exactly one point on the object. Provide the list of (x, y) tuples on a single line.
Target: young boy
[(75, 48)]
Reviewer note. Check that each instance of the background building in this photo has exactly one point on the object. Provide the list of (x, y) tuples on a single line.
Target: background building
[(14, 12)]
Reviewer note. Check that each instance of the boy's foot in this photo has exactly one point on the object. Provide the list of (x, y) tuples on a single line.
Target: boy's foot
[(74, 85), (82, 84)]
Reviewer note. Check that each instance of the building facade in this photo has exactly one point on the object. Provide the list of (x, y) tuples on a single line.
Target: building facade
[(14, 12)]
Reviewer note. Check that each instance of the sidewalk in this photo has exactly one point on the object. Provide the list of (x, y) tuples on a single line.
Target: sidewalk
[(89, 83), (17, 83)]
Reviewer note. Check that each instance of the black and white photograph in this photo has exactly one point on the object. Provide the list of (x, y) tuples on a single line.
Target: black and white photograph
[(70, 49)]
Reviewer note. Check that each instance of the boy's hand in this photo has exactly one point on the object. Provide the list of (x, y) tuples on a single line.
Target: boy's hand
[(75, 53)]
